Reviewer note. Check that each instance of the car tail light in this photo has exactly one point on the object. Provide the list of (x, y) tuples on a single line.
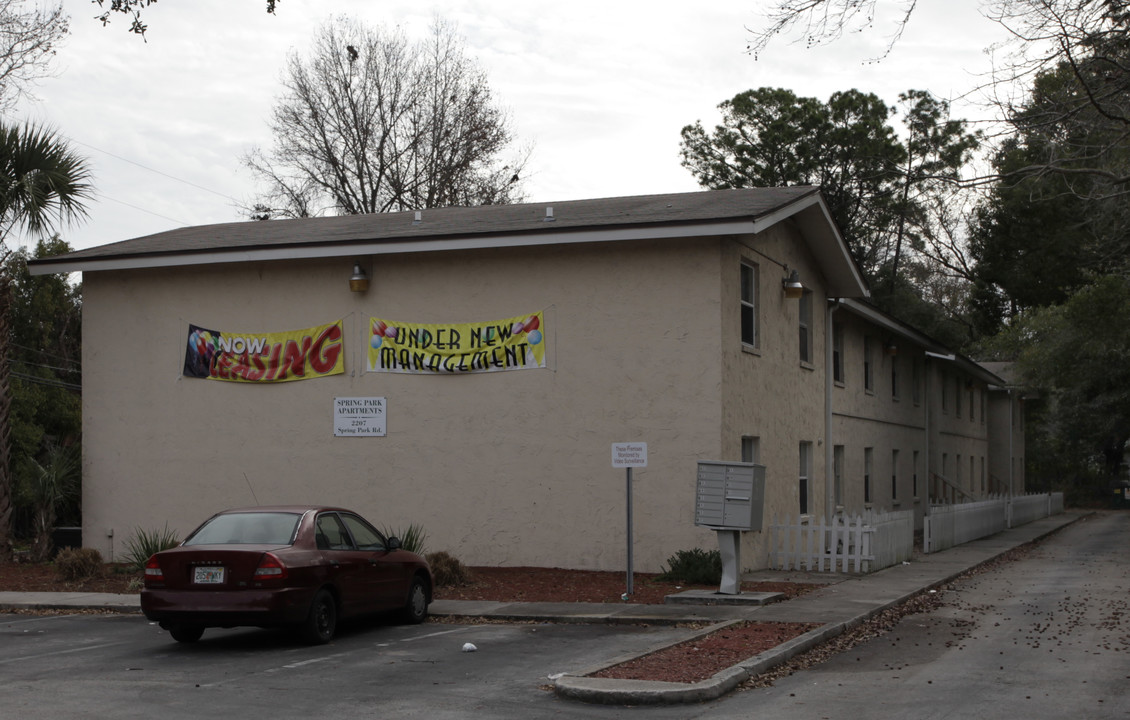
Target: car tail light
[(153, 573), (270, 568)]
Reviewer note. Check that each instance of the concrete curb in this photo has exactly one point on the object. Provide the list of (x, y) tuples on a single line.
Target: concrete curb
[(104, 602), (650, 692)]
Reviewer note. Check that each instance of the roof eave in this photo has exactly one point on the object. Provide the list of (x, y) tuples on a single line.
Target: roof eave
[(900, 329), (393, 246), (819, 230)]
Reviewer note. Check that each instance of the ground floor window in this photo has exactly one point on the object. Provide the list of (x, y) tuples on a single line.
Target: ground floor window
[(868, 454), (914, 476), (805, 476), (838, 473), (751, 449), (894, 475)]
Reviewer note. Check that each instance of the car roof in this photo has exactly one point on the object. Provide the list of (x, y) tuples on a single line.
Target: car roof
[(297, 509)]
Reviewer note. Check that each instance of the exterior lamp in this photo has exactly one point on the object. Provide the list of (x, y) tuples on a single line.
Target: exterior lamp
[(359, 282), (793, 289)]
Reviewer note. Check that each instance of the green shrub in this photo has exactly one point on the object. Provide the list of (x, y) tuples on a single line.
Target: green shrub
[(411, 538), (78, 564), (447, 570), (694, 567), (143, 544)]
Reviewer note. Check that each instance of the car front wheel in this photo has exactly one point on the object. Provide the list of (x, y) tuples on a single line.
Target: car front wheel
[(416, 610), (321, 623)]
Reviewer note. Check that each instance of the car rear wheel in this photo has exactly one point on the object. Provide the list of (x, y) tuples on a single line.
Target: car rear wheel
[(321, 623), (416, 610), (186, 633)]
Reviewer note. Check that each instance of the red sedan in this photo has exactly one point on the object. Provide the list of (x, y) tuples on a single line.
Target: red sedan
[(304, 567)]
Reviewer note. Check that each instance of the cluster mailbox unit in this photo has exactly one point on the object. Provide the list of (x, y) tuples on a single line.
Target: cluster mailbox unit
[(730, 498)]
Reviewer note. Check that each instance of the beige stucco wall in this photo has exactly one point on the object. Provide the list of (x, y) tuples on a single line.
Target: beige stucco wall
[(878, 419), (509, 468), (960, 447), (1006, 432), (770, 394)]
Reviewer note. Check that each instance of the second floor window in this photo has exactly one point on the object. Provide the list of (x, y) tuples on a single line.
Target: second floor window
[(838, 352), (868, 365), (806, 327), (749, 305)]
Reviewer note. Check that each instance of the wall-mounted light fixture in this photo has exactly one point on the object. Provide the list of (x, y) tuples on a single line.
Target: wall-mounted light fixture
[(793, 289), (359, 281), (890, 348)]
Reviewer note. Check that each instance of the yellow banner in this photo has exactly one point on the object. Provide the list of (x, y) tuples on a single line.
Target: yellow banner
[(457, 348), (265, 357)]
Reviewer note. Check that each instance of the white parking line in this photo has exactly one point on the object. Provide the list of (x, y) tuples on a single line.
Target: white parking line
[(38, 618), (301, 663), (59, 652), (436, 634), (313, 661)]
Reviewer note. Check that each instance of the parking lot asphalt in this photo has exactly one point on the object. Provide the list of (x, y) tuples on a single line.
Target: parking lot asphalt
[(844, 602)]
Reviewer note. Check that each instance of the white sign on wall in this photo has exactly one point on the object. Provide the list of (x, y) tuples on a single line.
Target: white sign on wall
[(629, 455), (359, 417)]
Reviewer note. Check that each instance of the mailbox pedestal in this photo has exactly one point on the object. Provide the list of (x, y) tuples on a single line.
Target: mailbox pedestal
[(729, 499), (730, 548)]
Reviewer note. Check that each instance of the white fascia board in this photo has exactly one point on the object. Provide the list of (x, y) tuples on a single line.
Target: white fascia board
[(362, 248), (824, 236), (931, 348), (783, 213), (876, 317)]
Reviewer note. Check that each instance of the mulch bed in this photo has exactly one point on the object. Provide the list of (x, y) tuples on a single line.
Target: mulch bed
[(502, 584), (531, 584), (699, 659)]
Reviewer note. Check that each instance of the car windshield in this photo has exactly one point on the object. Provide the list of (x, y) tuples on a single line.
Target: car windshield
[(253, 528)]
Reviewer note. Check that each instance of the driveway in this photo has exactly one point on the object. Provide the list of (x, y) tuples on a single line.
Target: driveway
[(1043, 637)]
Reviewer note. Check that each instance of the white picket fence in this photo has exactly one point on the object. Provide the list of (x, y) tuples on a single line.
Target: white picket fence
[(1026, 508), (860, 544), (950, 525)]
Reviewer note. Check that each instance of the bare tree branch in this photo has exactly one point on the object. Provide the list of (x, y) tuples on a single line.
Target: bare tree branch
[(371, 122), (28, 37)]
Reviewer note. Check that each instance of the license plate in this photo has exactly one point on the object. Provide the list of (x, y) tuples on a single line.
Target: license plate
[(208, 575)]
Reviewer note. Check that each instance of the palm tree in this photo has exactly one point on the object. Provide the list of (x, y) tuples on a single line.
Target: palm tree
[(42, 181), (53, 482)]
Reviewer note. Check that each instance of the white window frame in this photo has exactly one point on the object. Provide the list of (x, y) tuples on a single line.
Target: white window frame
[(804, 314), (748, 287), (751, 449), (868, 466), (894, 476), (838, 353), (804, 485), (868, 365), (838, 474)]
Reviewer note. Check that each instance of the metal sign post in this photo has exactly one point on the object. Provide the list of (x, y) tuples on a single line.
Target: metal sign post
[(628, 456)]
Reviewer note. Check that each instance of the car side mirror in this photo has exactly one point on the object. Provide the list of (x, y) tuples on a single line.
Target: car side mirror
[(394, 543)]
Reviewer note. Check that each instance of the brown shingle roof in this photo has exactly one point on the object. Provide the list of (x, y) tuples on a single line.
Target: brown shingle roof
[(454, 222)]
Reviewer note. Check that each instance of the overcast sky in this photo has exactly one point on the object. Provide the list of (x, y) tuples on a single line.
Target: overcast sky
[(600, 90)]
